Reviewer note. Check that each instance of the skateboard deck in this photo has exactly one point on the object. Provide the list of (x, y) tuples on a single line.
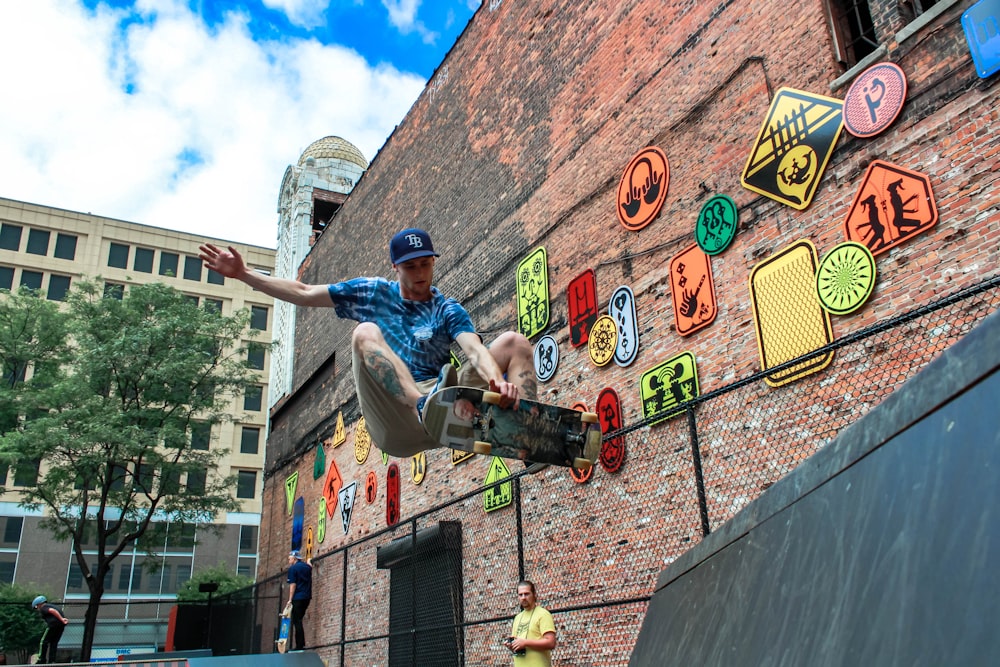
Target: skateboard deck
[(284, 629), (471, 420)]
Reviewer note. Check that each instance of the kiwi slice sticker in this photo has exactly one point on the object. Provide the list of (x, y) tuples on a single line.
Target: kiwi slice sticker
[(845, 278)]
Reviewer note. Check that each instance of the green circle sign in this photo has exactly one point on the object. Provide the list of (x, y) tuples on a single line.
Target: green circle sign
[(845, 278), (716, 226)]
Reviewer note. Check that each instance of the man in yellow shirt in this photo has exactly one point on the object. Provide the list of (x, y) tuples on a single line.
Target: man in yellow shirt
[(533, 634)]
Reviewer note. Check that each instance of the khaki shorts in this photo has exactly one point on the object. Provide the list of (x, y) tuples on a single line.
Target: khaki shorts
[(395, 429)]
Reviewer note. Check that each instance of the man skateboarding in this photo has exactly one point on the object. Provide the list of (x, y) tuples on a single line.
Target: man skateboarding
[(402, 344), (56, 623)]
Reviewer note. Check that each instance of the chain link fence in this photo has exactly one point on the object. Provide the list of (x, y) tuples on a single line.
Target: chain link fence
[(438, 588)]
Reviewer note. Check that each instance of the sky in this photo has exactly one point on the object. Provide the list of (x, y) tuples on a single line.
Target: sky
[(185, 114)]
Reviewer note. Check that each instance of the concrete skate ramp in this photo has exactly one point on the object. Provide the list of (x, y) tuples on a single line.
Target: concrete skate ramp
[(881, 549)]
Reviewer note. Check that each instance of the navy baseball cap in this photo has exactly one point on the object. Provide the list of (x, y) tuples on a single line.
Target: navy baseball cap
[(410, 244)]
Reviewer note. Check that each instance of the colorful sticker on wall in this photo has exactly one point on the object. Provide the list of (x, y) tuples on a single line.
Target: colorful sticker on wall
[(693, 290), (718, 220), (291, 484), (321, 521), (581, 475), (546, 356), (621, 309), (458, 456), (581, 300), (793, 147), (331, 487), (347, 496), (362, 441), (392, 495), (874, 100), (533, 293), (668, 385), (892, 205), (609, 411), (643, 188), (603, 340), (501, 495), (319, 463), (385, 459), (789, 321), (310, 543), (981, 23), (371, 487), (298, 522), (339, 431), (418, 468), (845, 278)]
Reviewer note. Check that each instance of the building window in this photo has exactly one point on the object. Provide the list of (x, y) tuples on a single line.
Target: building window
[(248, 539), (253, 398), (181, 536), (26, 474), (853, 30), (247, 567), (6, 277), (214, 305), (250, 440), (168, 264), (258, 318), (10, 237), (58, 287), (201, 435), (38, 242), (12, 530), (192, 268), (196, 482), (114, 291), (31, 279), (143, 260), (65, 246), (8, 562), (216, 278), (246, 484), (255, 356), (118, 256)]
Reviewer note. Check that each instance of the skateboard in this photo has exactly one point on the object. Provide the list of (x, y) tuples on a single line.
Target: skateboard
[(285, 628), (472, 420)]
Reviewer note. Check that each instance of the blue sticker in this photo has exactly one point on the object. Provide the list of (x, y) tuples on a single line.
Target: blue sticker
[(981, 23)]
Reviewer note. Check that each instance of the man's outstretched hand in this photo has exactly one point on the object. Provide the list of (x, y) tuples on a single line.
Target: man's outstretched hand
[(227, 262)]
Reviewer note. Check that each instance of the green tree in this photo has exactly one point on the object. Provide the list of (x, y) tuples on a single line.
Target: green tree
[(222, 574), (112, 390), (20, 627)]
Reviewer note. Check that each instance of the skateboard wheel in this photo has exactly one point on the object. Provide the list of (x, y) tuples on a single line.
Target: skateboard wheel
[(491, 397), (589, 418), (480, 447), (582, 464)]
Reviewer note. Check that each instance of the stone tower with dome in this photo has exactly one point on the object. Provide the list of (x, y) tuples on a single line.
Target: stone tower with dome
[(312, 191)]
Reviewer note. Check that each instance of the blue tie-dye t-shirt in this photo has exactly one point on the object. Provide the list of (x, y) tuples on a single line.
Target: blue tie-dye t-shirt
[(420, 332)]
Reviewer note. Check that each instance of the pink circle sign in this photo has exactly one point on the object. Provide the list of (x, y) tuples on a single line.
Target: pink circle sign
[(874, 100)]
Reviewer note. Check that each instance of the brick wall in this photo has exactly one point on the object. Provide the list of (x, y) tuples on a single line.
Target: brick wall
[(519, 141)]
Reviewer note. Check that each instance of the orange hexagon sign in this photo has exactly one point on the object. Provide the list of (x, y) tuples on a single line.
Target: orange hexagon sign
[(892, 205)]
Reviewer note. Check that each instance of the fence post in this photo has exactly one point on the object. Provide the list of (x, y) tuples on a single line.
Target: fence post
[(520, 531), (699, 477)]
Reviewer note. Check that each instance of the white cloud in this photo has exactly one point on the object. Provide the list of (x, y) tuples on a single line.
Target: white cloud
[(403, 16), (303, 13), (169, 124)]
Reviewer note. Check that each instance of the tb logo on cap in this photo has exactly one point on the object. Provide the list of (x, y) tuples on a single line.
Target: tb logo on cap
[(414, 240), (410, 244)]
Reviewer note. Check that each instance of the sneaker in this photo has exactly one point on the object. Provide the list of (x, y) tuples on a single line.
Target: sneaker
[(448, 377)]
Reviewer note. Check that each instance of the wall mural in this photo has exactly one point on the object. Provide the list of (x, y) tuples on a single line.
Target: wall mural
[(845, 278), (319, 463), (717, 222), (371, 487), (298, 521), (460, 456), (643, 188), (546, 356), (339, 432), (667, 385), (793, 147), (331, 487), (392, 508), (603, 340), (321, 520), (892, 205), (309, 544), (581, 301), (347, 496), (362, 441), (693, 290), (291, 484), (788, 318), (980, 23), (533, 293), (609, 411), (501, 495), (418, 467), (874, 100), (621, 309)]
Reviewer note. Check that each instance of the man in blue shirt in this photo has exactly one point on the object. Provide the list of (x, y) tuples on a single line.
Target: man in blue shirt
[(300, 578), (402, 344)]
